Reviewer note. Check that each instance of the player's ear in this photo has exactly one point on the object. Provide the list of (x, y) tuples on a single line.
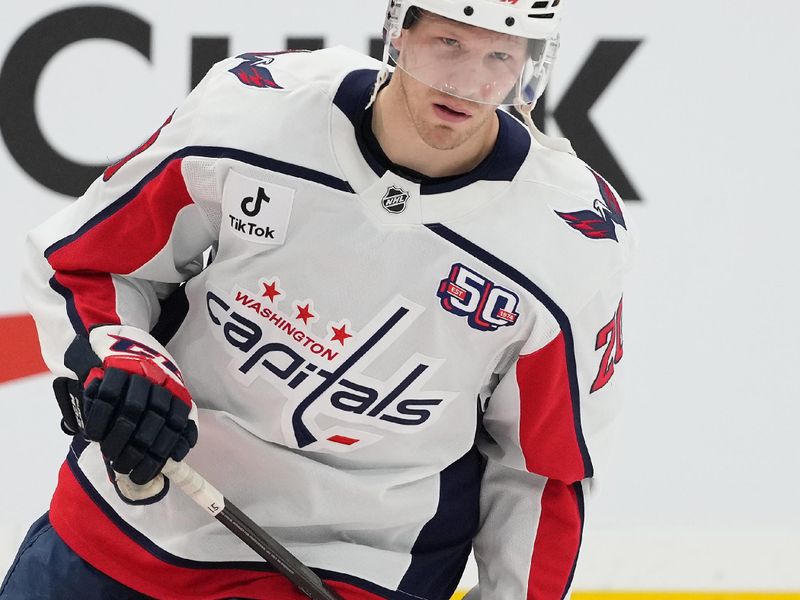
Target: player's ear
[(398, 41)]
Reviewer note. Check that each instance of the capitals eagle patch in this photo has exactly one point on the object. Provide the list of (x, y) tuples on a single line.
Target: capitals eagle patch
[(601, 222)]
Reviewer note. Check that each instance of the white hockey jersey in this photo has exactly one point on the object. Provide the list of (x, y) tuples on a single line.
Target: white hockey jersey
[(388, 368)]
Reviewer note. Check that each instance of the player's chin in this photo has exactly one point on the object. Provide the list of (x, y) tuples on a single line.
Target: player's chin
[(441, 136)]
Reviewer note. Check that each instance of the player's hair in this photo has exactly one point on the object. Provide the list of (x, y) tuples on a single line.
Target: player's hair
[(413, 15)]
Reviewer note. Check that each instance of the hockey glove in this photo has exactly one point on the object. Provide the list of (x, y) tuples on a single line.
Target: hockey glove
[(132, 400)]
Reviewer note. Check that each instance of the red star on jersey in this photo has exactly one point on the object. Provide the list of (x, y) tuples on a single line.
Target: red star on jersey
[(340, 334), (270, 291), (305, 313)]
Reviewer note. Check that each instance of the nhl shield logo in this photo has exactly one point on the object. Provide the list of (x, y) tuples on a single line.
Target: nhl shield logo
[(395, 200)]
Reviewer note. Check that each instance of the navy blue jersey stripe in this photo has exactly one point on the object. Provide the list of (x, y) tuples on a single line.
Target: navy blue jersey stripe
[(174, 309), (169, 558), (250, 158), (353, 94), (443, 545), (78, 445), (502, 164), (352, 98), (72, 311), (271, 164), (560, 316)]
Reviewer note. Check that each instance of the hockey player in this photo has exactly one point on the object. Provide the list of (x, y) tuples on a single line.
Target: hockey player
[(377, 312)]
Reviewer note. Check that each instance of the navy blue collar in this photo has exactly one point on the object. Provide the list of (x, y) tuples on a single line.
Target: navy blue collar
[(502, 163)]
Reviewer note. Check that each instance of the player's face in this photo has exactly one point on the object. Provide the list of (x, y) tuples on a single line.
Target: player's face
[(461, 60), (442, 121), (453, 76)]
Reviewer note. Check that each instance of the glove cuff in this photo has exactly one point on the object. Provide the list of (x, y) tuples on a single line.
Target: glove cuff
[(136, 351)]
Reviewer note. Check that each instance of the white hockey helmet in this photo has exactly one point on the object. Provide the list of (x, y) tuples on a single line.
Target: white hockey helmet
[(506, 59)]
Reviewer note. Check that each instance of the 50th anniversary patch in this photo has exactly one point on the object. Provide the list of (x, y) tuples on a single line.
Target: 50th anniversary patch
[(256, 211)]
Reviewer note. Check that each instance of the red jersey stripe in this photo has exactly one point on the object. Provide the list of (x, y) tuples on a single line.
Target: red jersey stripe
[(91, 534), (558, 540), (547, 435), (92, 297), (115, 244)]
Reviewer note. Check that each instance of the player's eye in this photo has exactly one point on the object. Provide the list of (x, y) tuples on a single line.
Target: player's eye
[(501, 56), (449, 42)]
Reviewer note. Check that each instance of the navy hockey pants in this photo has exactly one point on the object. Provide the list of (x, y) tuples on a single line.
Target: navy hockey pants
[(46, 569)]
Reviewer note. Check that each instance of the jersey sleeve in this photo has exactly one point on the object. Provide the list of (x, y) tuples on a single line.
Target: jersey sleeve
[(545, 428), (113, 255)]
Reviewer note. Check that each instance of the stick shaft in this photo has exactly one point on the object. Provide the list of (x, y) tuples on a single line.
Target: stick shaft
[(214, 503)]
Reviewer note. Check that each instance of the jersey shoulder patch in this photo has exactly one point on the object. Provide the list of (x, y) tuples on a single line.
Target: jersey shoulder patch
[(291, 69), (253, 69), (600, 222), (581, 198)]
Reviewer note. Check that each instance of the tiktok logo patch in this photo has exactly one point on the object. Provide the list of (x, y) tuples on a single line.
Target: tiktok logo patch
[(251, 206), (487, 306), (255, 211)]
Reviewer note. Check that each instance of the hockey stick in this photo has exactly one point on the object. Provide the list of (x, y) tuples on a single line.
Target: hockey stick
[(207, 496), (214, 503)]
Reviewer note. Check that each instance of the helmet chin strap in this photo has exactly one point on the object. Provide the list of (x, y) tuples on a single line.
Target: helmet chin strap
[(383, 75), (559, 144)]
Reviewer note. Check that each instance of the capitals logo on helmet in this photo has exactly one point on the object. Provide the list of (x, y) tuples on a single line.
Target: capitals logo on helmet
[(253, 70)]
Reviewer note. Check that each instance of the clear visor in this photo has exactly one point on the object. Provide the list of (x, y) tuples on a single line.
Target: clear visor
[(474, 64)]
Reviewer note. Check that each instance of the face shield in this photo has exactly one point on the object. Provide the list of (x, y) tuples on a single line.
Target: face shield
[(472, 63)]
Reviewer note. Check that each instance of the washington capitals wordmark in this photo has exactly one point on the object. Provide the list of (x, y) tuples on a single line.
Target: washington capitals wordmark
[(340, 389)]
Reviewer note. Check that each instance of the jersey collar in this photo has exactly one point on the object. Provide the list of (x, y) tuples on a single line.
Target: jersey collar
[(502, 164)]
